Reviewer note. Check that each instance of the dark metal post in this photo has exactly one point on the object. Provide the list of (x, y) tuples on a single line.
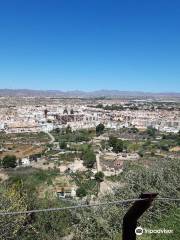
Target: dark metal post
[(134, 213)]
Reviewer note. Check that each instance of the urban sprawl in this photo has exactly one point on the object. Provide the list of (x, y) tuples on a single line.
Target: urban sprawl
[(84, 114), (59, 152)]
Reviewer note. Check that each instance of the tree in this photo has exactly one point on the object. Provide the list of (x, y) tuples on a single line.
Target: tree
[(48, 225), (89, 158), (65, 111), (81, 192), (72, 111), (11, 199), (9, 161), (164, 147), (100, 129), (119, 146), (112, 141), (63, 145), (178, 140), (57, 130), (104, 144), (116, 144), (68, 129), (161, 177), (99, 176), (141, 153), (99, 105), (151, 131), (170, 221)]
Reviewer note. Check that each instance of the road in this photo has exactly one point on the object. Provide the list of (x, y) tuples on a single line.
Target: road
[(51, 136), (99, 168), (104, 186)]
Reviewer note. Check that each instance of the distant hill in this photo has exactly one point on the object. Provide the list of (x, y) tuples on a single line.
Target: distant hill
[(83, 94)]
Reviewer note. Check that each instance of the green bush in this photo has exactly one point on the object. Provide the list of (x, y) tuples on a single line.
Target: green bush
[(81, 192), (116, 144), (100, 129), (9, 161), (89, 158)]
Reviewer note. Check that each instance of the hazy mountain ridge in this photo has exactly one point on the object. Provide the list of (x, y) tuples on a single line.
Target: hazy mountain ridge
[(83, 94)]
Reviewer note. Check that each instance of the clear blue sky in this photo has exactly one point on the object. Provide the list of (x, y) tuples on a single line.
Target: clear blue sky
[(90, 44)]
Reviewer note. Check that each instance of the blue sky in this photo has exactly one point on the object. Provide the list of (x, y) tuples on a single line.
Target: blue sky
[(90, 45)]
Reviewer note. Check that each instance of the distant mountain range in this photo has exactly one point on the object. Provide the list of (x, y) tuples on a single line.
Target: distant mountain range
[(83, 94)]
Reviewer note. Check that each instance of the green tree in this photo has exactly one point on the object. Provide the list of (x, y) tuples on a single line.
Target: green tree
[(99, 176), (100, 129), (119, 146), (11, 199), (164, 147), (151, 131), (81, 192), (161, 177), (141, 153), (116, 144), (63, 145), (99, 105), (68, 129), (48, 225), (89, 158), (171, 221), (9, 161), (57, 130), (112, 141)]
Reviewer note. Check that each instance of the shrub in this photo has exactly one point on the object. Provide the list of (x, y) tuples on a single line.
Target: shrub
[(9, 161), (81, 192)]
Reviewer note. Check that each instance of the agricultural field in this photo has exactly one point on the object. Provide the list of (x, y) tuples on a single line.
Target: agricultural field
[(22, 145)]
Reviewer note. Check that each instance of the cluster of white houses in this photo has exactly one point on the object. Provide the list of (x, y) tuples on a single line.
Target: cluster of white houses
[(46, 118)]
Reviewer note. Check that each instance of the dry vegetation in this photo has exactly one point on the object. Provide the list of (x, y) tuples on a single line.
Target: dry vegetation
[(21, 151), (22, 145)]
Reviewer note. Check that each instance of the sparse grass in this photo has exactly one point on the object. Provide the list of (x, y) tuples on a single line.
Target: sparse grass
[(81, 135), (24, 137), (31, 176), (23, 144)]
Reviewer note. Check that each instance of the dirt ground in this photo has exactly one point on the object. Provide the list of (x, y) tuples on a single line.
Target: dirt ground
[(3, 176), (175, 149), (107, 186), (21, 151), (42, 164)]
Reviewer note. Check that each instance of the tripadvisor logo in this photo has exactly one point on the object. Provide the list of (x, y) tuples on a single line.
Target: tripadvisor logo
[(139, 231)]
